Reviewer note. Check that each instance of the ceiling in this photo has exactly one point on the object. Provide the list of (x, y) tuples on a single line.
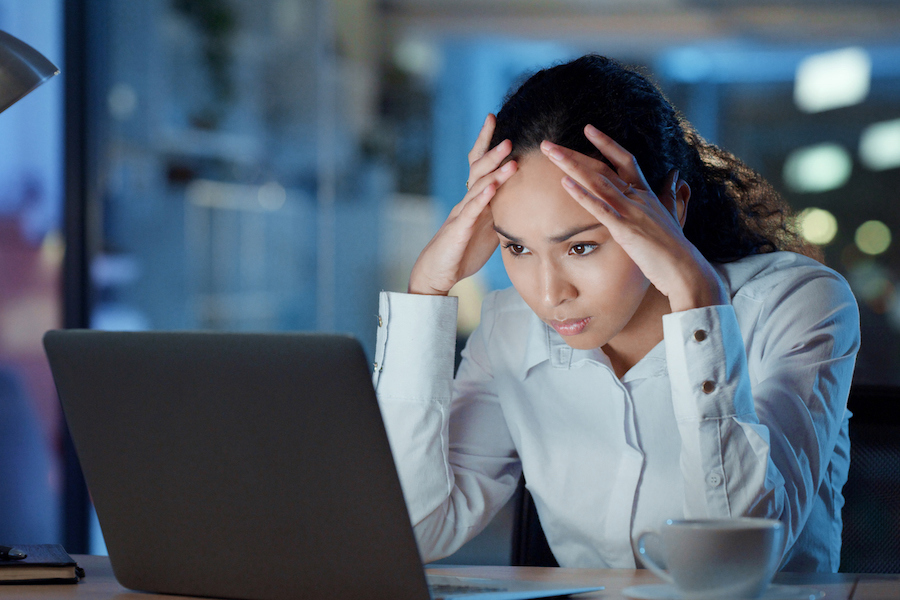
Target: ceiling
[(652, 22)]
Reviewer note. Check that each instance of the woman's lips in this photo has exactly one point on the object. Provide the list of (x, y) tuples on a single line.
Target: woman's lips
[(570, 326)]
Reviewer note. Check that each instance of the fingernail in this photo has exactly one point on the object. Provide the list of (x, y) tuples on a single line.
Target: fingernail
[(675, 181), (591, 130), (505, 168), (552, 150), (486, 119), (569, 182)]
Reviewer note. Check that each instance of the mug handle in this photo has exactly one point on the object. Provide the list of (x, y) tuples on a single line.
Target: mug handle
[(646, 557)]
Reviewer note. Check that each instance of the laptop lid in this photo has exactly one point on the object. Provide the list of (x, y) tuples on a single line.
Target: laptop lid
[(251, 466)]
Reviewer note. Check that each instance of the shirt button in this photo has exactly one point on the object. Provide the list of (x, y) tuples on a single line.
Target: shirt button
[(714, 479), (564, 355), (379, 321), (699, 335), (708, 387)]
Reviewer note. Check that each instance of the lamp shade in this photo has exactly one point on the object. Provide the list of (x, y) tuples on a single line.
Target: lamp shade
[(22, 69)]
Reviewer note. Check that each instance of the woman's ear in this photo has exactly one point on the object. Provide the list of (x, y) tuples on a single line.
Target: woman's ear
[(676, 196), (682, 197)]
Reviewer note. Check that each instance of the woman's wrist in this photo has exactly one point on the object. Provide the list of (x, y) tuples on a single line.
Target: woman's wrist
[(700, 287), (417, 285), (424, 291)]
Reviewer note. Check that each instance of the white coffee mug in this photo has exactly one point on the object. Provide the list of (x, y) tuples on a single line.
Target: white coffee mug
[(715, 558)]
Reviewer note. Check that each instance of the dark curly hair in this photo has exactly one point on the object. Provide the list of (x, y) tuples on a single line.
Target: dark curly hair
[(733, 211)]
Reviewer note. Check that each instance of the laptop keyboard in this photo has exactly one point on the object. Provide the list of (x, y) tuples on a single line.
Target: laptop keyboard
[(443, 590)]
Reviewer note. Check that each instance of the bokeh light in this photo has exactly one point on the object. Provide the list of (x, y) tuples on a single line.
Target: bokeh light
[(832, 79), (817, 225), (271, 196), (417, 56), (817, 168), (879, 145), (873, 237)]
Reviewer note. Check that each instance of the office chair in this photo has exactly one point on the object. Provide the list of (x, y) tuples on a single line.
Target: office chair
[(871, 514), (529, 544)]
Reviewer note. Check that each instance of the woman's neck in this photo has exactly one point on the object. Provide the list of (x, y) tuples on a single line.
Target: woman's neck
[(642, 333)]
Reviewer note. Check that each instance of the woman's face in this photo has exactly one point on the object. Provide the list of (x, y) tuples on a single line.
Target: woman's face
[(563, 263)]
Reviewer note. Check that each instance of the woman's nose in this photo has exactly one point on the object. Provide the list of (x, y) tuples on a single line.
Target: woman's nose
[(555, 286)]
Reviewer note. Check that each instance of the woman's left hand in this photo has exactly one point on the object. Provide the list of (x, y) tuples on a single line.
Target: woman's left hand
[(647, 227)]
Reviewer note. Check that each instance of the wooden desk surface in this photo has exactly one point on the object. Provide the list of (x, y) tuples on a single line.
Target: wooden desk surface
[(99, 583)]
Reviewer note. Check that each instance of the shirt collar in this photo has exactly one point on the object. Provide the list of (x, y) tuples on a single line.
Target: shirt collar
[(544, 344)]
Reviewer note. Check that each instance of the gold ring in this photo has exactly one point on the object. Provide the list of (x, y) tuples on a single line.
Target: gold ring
[(467, 185)]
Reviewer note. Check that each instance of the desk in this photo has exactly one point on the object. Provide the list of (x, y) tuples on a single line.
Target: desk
[(99, 584)]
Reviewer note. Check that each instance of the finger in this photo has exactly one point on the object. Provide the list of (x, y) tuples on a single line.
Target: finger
[(589, 172), (624, 161), (483, 140), (496, 178), (490, 161), (471, 215), (604, 212), (474, 207)]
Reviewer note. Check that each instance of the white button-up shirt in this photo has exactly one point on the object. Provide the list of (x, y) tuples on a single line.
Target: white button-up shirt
[(740, 410)]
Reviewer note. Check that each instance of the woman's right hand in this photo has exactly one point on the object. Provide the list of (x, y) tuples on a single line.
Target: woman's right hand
[(467, 238)]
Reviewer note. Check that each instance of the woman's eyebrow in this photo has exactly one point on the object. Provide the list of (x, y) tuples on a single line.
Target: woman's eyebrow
[(511, 238), (556, 239)]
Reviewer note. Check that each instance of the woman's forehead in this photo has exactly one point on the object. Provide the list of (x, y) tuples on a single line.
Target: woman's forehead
[(533, 204)]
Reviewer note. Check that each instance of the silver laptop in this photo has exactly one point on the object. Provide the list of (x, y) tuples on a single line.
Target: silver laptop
[(250, 466)]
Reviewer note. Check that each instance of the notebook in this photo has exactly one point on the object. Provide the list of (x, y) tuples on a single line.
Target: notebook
[(237, 465)]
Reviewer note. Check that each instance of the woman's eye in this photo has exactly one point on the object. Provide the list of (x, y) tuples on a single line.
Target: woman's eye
[(516, 249), (582, 249)]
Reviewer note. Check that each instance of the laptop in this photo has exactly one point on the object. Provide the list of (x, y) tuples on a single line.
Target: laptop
[(247, 466)]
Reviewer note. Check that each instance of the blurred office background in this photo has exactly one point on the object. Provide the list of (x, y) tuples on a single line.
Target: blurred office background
[(273, 164)]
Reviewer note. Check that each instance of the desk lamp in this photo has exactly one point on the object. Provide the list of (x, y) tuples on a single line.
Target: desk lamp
[(22, 69)]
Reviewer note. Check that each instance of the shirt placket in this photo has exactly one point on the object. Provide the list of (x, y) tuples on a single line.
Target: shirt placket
[(624, 493), (616, 539)]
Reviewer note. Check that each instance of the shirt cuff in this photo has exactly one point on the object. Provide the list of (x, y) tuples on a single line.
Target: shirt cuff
[(707, 364), (415, 346)]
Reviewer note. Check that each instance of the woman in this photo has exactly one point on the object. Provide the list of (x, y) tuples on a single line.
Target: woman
[(660, 355)]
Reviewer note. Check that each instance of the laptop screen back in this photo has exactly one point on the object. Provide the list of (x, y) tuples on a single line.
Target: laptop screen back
[(237, 465)]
